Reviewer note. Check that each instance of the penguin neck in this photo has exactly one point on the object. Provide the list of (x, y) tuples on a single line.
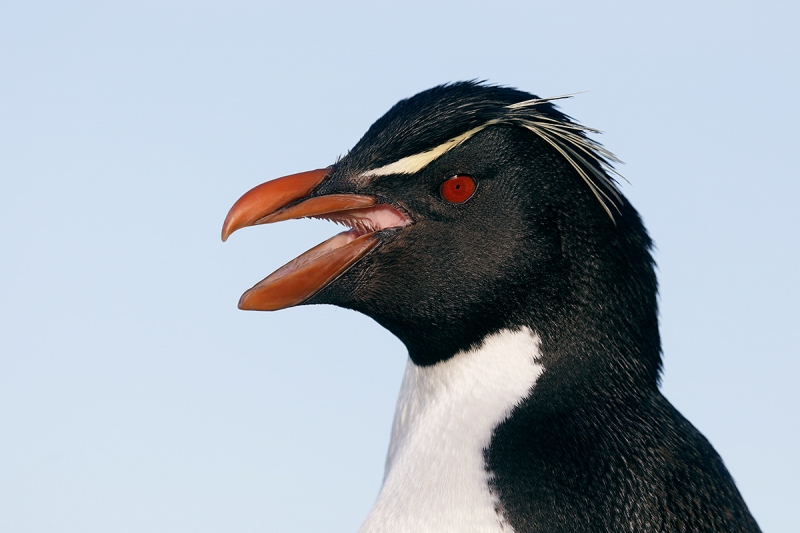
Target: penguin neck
[(598, 317), (593, 353), (436, 477)]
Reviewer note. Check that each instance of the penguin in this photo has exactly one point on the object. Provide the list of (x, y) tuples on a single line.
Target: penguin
[(485, 230)]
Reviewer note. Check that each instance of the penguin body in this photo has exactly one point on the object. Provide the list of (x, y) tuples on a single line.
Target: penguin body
[(487, 234)]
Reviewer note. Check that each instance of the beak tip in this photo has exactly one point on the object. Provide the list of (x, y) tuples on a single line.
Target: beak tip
[(242, 305), (228, 227)]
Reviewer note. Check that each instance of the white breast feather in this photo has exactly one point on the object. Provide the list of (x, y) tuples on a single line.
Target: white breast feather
[(436, 479)]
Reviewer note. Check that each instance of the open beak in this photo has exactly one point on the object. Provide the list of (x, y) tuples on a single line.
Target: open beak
[(291, 197)]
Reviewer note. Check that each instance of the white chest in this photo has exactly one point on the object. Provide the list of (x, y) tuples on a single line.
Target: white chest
[(436, 478)]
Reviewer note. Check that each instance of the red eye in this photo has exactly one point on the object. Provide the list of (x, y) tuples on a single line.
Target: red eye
[(457, 189)]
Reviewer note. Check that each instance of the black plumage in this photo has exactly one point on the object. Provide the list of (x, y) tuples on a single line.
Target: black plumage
[(546, 242)]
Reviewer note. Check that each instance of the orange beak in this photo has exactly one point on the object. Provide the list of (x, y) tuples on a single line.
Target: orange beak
[(288, 198)]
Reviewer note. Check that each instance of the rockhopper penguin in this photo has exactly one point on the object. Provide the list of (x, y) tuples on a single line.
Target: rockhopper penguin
[(487, 233)]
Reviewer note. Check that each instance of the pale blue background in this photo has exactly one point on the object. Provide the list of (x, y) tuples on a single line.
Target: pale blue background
[(134, 396)]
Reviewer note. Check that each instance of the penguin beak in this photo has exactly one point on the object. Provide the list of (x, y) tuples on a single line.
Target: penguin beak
[(291, 197)]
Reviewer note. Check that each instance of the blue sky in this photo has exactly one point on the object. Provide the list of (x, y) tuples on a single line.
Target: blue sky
[(134, 396)]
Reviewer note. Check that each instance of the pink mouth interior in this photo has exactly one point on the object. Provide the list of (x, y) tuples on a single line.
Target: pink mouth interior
[(361, 222), (368, 220)]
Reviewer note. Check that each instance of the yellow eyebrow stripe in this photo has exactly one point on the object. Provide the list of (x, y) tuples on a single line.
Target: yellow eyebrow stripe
[(415, 163)]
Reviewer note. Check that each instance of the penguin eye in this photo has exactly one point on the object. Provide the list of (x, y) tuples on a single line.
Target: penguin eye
[(457, 189)]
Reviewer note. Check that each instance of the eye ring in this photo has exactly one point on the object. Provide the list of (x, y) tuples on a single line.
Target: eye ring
[(458, 189)]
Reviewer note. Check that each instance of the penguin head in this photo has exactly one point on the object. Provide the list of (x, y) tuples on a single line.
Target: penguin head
[(472, 208)]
